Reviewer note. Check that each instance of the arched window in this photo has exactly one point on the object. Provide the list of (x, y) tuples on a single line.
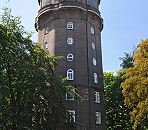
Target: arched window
[(85, 94), (94, 61), (95, 78), (46, 30), (95, 3), (70, 26), (69, 40), (93, 46), (45, 45), (70, 74), (92, 30), (70, 57), (98, 118), (97, 97)]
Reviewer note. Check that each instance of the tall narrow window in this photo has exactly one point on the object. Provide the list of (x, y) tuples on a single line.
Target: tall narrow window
[(72, 115), (94, 61), (95, 78), (93, 46), (69, 40), (92, 30), (70, 74), (70, 57), (95, 3), (98, 118), (85, 94), (97, 97), (46, 30), (45, 45), (70, 96), (70, 26)]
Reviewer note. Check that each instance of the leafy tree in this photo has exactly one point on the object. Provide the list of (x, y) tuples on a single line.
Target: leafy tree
[(31, 95), (127, 60), (117, 116), (135, 87)]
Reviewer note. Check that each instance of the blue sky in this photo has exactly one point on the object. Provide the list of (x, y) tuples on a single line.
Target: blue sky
[(125, 24)]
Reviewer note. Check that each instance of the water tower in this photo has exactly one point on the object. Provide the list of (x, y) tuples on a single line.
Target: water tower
[(72, 29)]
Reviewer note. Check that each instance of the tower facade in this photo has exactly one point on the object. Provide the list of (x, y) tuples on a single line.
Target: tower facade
[(72, 29)]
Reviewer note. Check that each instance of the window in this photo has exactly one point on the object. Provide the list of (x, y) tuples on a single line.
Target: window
[(70, 41), (97, 97), (72, 115), (70, 74), (92, 30), (70, 96), (94, 61), (69, 25), (46, 30), (98, 118), (70, 57), (95, 3), (95, 78), (85, 94), (45, 45), (93, 46)]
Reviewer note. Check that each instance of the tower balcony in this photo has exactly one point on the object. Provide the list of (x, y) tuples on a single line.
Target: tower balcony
[(88, 5), (94, 3)]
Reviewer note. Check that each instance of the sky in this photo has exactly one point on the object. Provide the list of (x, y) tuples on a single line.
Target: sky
[(125, 24)]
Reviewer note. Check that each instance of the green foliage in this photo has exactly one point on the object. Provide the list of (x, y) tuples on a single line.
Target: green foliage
[(117, 116), (31, 95), (135, 87), (13, 23), (127, 60)]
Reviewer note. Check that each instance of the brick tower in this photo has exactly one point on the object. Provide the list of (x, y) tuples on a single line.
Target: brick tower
[(72, 29)]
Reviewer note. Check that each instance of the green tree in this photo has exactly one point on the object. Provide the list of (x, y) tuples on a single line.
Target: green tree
[(31, 95), (117, 116), (127, 60), (135, 87)]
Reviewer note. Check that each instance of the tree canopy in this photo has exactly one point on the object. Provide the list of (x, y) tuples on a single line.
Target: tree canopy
[(135, 86), (31, 95), (117, 115), (127, 60)]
